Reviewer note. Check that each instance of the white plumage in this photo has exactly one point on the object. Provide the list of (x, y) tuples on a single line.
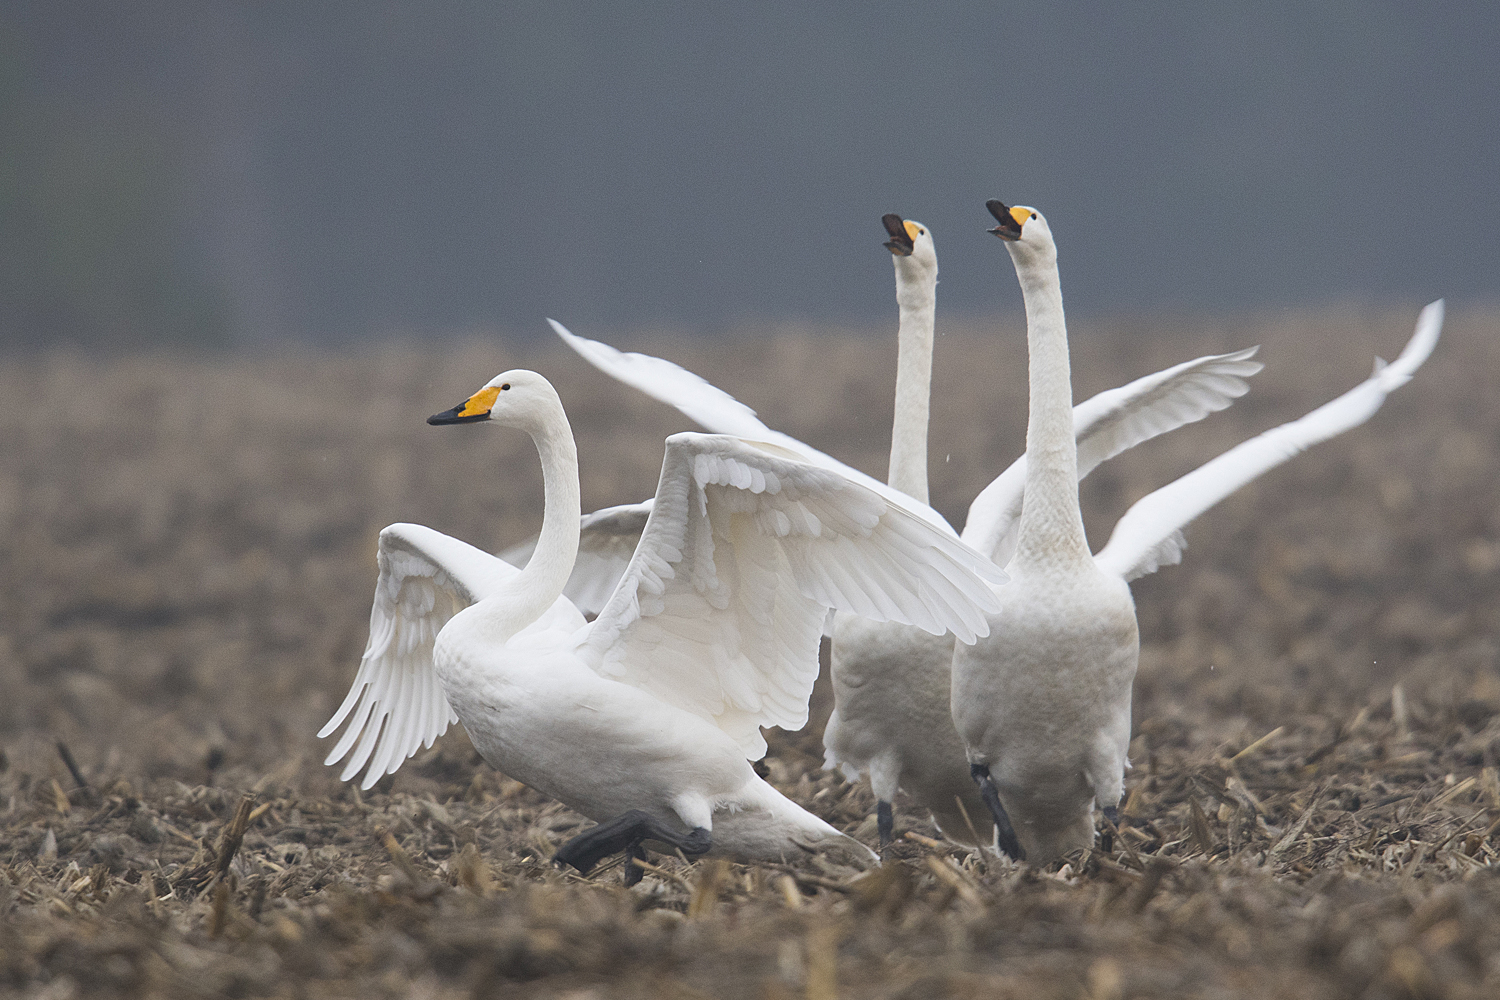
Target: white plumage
[(1043, 703), (606, 541), (711, 632), (1149, 535), (1111, 422), (892, 685), (891, 682)]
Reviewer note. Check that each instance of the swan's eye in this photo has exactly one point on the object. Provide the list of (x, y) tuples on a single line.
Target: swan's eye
[(505, 386), (1033, 215), (921, 232)]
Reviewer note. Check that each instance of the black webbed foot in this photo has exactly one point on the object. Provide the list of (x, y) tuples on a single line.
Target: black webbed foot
[(634, 872), (1005, 834), (885, 822), (624, 834)]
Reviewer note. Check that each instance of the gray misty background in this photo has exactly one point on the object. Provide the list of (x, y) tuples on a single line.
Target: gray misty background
[(208, 172)]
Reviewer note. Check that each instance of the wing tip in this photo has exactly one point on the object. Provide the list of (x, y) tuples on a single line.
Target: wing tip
[(1418, 349)]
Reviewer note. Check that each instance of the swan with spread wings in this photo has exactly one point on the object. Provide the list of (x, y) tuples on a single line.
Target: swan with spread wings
[(646, 719)]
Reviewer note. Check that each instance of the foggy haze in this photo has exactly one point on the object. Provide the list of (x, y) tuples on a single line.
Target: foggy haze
[(350, 169)]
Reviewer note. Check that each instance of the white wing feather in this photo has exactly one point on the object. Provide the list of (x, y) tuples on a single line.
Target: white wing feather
[(396, 705), (722, 606), (1150, 533), (607, 539), (717, 411), (696, 398), (1108, 424)]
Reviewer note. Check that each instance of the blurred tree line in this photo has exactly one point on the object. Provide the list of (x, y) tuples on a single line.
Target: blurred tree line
[(93, 249)]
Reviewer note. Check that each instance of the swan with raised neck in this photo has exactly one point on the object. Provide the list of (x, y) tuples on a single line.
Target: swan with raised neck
[(916, 265), (1043, 704), (1051, 529), (890, 681), (528, 402)]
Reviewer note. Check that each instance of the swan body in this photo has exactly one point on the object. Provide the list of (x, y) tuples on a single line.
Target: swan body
[(645, 719), (891, 686), (891, 720), (1043, 703), (538, 710), (1044, 709)]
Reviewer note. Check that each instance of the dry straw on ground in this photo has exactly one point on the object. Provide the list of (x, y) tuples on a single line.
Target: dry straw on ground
[(189, 547)]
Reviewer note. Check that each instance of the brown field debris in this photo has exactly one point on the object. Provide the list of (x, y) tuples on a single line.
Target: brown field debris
[(189, 561)]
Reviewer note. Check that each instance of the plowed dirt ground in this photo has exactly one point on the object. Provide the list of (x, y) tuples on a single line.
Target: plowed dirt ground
[(188, 553)]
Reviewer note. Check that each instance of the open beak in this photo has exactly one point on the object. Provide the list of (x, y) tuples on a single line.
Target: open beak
[(472, 410), (900, 243), (1010, 220)]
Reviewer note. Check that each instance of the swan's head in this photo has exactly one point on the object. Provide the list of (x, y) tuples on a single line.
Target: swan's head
[(517, 398), (908, 239), (1024, 230), (911, 245)]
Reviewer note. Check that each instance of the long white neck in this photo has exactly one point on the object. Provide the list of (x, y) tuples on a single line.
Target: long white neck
[(538, 586), (916, 296), (1051, 530)]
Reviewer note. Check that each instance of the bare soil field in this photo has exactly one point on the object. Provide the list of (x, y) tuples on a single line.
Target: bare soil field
[(188, 551)]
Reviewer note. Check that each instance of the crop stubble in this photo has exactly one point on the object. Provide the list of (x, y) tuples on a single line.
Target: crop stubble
[(189, 551)]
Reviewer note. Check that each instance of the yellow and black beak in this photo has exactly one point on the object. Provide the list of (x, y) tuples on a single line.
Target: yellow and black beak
[(903, 235), (472, 410), (1011, 219)]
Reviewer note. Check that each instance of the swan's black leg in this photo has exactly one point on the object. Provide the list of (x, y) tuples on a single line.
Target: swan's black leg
[(1112, 813), (1005, 834), (625, 833), (885, 822), (634, 872)]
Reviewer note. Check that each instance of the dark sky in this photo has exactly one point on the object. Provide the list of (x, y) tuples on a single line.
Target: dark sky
[(346, 168)]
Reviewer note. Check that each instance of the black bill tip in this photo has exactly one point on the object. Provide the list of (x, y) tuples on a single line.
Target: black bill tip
[(1009, 229), (900, 242), (455, 416)]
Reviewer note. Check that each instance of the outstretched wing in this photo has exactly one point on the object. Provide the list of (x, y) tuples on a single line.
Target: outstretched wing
[(1122, 418), (716, 410), (607, 538), (396, 705), (1108, 424), (722, 606), (696, 398), (1150, 534)]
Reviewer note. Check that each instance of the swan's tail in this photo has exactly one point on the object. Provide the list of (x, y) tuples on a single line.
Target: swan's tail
[(761, 824)]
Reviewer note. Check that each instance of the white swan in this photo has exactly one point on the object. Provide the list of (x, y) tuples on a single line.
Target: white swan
[(891, 683), (645, 718), (1043, 703), (890, 686)]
